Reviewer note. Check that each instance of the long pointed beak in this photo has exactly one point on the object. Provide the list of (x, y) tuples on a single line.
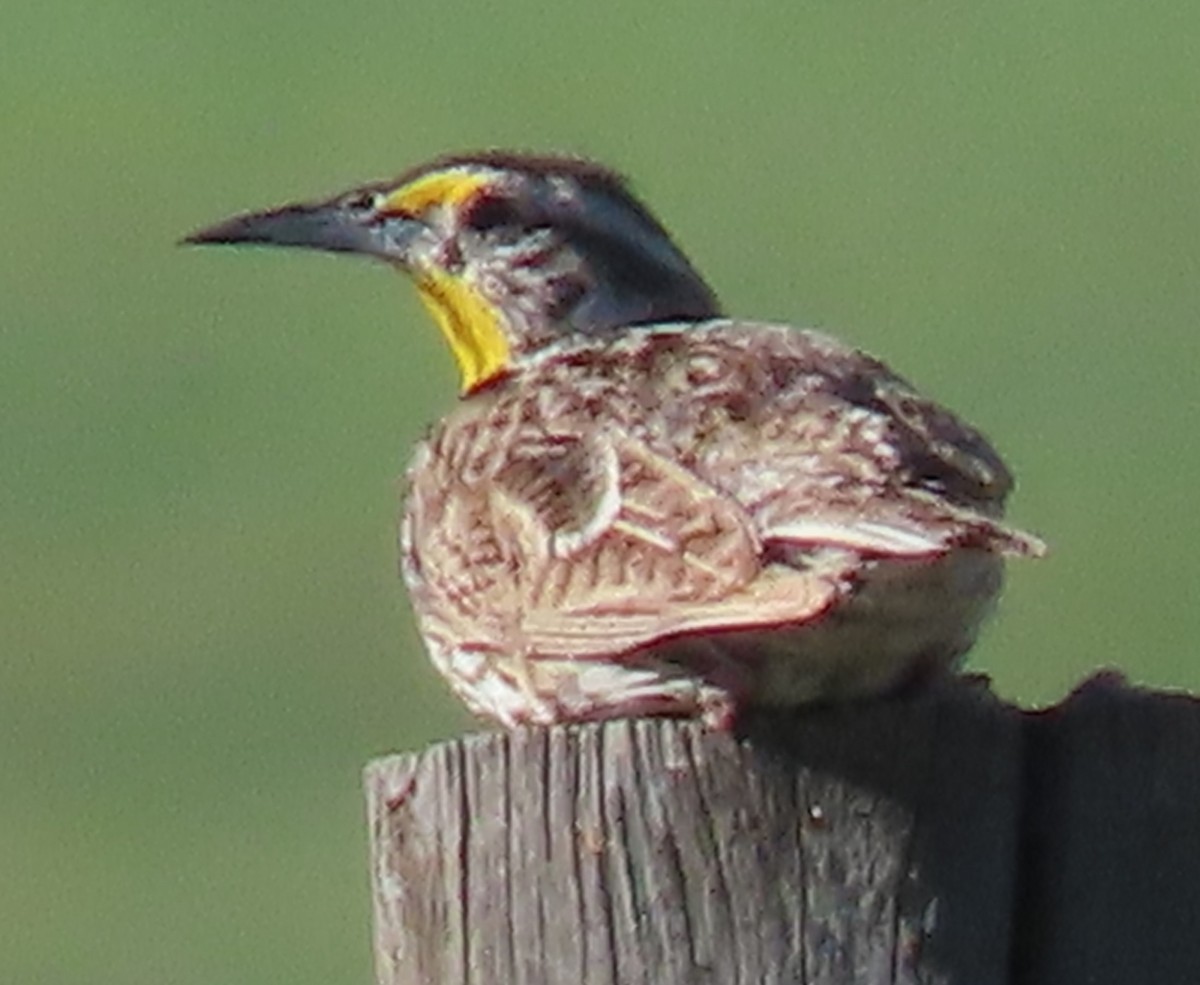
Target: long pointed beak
[(327, 226)]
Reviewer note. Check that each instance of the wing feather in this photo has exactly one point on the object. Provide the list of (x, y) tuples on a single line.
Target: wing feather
[(595, 546)]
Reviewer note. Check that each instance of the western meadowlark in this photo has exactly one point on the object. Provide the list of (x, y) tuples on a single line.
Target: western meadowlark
[(639, 505)]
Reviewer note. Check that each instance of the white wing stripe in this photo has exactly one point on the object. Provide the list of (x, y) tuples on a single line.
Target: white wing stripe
[(861, 536)]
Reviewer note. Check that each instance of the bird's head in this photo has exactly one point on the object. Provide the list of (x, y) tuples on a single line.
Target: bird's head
[(509, 252)]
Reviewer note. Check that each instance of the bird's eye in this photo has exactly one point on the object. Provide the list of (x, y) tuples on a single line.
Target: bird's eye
[(490, 212), (364, 202)]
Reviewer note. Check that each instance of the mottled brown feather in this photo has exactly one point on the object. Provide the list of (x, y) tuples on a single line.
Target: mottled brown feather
[(696, 483)]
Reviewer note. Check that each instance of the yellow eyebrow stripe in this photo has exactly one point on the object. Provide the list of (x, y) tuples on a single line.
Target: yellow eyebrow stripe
[(451, 187)]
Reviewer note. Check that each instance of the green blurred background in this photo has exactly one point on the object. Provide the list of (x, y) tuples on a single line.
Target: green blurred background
[(203, 637)]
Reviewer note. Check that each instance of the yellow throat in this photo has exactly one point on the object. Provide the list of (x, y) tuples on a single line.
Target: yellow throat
[(471, 326)]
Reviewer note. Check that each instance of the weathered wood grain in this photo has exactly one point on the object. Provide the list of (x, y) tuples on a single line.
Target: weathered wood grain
[(869, 843)]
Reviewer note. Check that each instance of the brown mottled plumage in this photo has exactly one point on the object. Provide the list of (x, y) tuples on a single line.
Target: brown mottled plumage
[(641, 507), (695, 517)]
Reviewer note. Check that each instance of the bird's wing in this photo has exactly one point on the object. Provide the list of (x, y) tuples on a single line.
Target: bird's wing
[(599, 545), (934, 449), (840, 451), (920, 528)]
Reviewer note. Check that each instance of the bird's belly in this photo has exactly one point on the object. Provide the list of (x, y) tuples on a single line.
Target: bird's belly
[(906, 620)]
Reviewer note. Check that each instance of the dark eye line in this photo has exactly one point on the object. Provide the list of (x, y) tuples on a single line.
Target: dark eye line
[(489, 210), (364, 201)]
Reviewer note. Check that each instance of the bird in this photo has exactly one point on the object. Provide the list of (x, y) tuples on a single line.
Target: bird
[(640, 505)]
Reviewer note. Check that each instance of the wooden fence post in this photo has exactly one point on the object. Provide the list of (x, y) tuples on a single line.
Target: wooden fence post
[(866, 843), (1110, 861), (940, 838)]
